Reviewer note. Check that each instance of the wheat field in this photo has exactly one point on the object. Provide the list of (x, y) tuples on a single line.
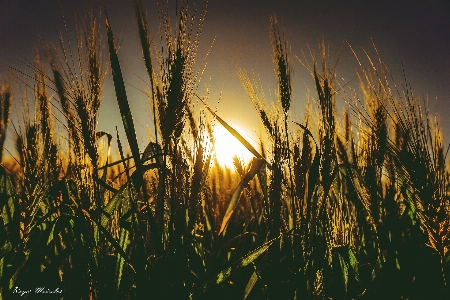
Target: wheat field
[(350, 205)]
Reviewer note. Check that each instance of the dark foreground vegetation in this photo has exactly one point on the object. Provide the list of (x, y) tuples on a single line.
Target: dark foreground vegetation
[(350, 206)]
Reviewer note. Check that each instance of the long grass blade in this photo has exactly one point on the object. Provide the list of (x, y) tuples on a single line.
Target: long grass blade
[(124, 106), (236, 134), (257, 163)]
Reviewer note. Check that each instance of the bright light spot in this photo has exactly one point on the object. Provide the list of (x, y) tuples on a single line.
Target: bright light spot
[(226, 146)]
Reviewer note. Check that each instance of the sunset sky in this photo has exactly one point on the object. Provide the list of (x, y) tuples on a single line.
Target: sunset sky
[(413, 33)]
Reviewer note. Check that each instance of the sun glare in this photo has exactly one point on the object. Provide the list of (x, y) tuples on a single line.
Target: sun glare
[(226, 146)]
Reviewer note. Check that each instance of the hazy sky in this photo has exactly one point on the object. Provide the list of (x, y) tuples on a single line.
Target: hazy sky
[(413, 33)]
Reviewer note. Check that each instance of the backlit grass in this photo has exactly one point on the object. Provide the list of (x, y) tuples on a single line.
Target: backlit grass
[(351, 206)]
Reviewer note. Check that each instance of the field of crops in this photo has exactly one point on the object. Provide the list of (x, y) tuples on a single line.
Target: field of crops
[(333, 206)]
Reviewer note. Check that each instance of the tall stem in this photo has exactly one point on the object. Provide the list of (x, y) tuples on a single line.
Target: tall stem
[(293, 209)]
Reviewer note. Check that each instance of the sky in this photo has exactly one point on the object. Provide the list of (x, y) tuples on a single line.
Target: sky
[(409, 35)]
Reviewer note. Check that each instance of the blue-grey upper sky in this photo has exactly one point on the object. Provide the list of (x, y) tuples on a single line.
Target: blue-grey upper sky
[(415, 34)]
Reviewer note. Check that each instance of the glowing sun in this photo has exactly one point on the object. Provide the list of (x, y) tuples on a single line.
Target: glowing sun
[(227, 146)]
